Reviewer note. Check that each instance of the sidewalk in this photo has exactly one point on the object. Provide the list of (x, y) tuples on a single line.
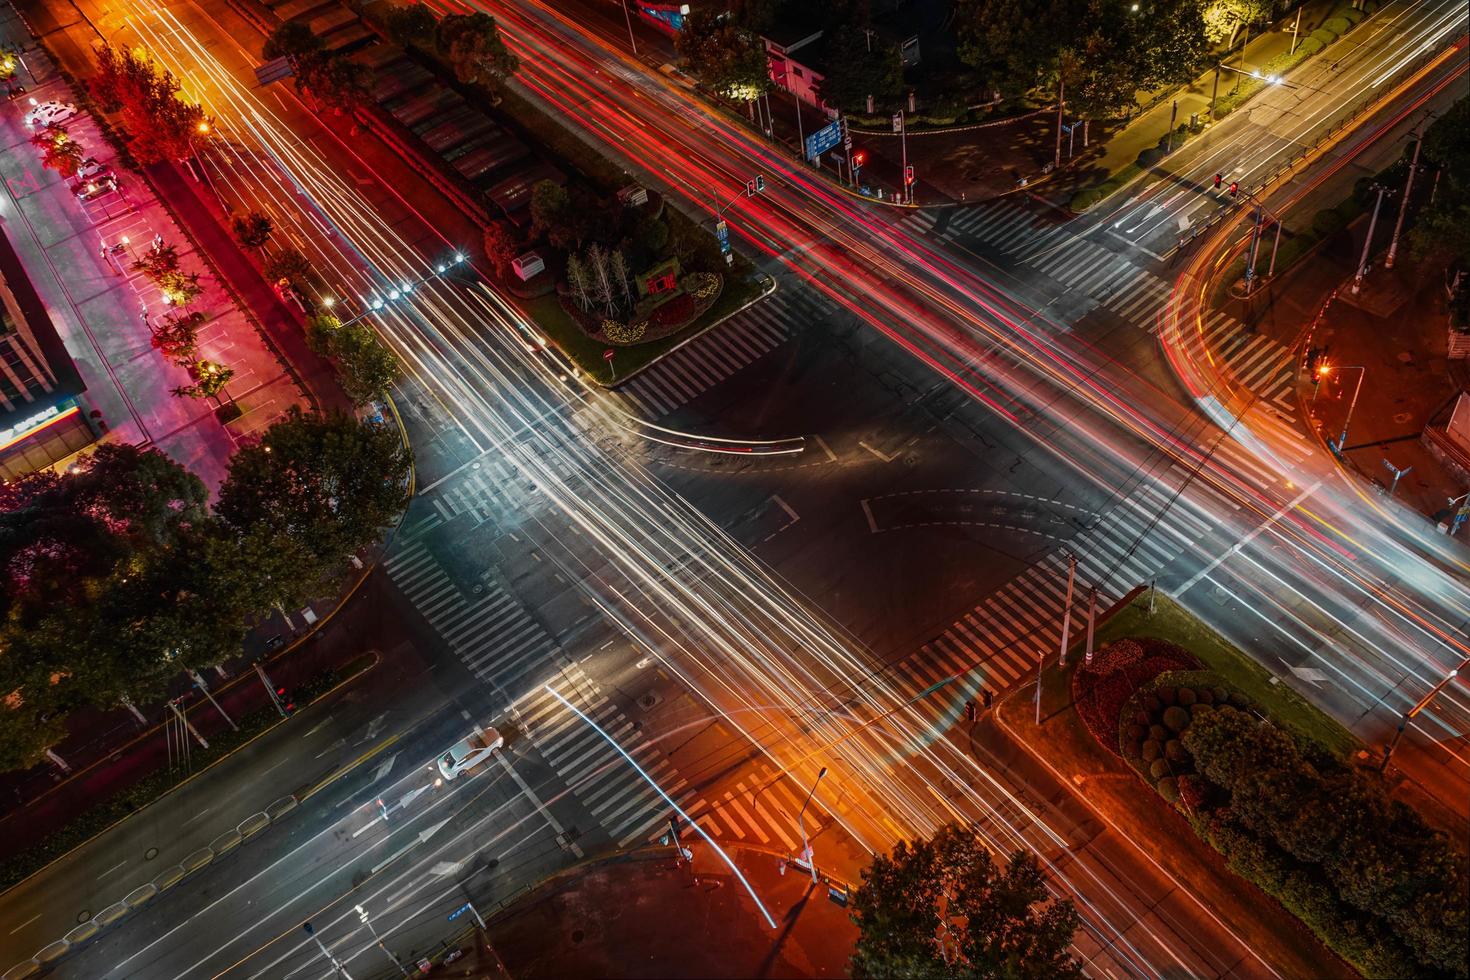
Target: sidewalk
[(77, 257), (637, 915), (1114, 147)]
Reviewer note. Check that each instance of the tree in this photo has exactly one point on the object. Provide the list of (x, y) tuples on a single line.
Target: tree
[(59, 151), (252, 229), (501, 247), (600, 278), (332, 482), (551, 214), (579, 281), (176, 336), (854, 72), (1013, 44), (622, 279), (9, 60), (288, 264), (1444, 226), (728, 58), (754, 15), (160, 125), (366, 367), (336, 82), (293, 41), (472, 45), (1000, 918), (411, 26), (180, 289), (210, 378), (1223, 19), (159, 260)]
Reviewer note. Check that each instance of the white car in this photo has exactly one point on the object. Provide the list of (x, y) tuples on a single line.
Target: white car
[(465, 755), (50, 114), (92, 170)]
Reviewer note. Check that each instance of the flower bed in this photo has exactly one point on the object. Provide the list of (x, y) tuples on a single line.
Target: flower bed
[(699, 292), (1100, 689), (1151, 727)]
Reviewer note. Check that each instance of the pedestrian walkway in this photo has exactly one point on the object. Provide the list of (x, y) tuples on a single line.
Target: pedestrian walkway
[(489, 629), (693, 369), (758, 807), (996, 645)]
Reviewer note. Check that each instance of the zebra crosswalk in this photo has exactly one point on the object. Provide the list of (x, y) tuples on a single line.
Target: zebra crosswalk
[(488, 629), (614, 790), (995, 645), (699, 365)]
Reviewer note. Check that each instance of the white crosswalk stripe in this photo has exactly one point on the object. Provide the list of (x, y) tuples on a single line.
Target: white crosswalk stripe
[(994, 645), (703, 363), (758, 807), (491, 633)]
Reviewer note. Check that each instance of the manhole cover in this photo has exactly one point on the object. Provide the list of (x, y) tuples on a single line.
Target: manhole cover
[(649, 700), (1402, 418), (83, 916), (150, 854), (577, 936), (1405, 357)]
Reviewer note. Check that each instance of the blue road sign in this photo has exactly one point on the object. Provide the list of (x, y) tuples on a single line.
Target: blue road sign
[(823, 139), (459, 911)]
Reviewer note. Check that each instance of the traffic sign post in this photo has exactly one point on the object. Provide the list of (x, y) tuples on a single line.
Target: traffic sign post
[(823, 140), (607, 356)]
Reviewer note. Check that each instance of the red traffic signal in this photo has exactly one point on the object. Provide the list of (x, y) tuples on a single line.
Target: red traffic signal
[(1234, 187), (859, 158), (1218, 179), (908, 175)]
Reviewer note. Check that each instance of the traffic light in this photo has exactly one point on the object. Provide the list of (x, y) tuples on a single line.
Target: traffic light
[(989, 698), (760, 183), (908, 174), (1218, 179), (750, 188), (859, 158), (970, 712), (1234, 187), (286, 702)]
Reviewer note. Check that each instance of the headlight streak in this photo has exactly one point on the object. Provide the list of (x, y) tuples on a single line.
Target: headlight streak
[(748, 629), (1432, 622)]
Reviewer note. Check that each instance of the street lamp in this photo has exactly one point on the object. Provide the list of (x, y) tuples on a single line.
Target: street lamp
[(400, 292), (362, 914), (1363, 371), (1420, 706), (811, 860)]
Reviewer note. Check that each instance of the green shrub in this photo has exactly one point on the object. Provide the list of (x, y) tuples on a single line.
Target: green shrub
[(1152, 704), (1158, 732), (1337, 25), (1150, 750), (1083, 200), (1150, 156), (1169, 789), (1187, 697), (1349, 14), (1167, 695), (1135, 732), (1324, 35), (1369, 6), (1310, 46), (1239, 700), (1219, 695), (1175, 752), (1176, 719), (1159, 768), (1199, 709)]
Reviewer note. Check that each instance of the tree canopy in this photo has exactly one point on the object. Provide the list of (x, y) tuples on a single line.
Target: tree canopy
[(160, 124), (727, 57), (854, 72), (1000, 920), (472, 46), (366, 368)]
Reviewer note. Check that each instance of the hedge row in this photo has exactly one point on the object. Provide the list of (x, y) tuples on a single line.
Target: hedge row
[(1379, 886), (106, 812)]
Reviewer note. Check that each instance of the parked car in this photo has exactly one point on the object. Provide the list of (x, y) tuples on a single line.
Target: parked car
[(50, 113), (90, 169), (90, 190), (469, 753), (13, 92)]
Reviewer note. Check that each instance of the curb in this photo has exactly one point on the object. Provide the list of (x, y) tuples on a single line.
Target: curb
[(195, 861)]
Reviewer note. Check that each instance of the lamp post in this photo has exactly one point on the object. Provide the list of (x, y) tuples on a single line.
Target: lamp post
[(376, 304), (1398, 225), (1368, 242), (811, 860), (632, 43), (1363, 371), (362, 914), (1420, 706)]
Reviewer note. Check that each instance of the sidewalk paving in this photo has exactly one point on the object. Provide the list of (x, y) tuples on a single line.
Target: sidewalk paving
[(637, 915)]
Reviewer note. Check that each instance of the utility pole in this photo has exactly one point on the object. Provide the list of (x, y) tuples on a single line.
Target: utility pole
[(632, 43), (188, 726), (198, 679), (900, 123), (341, 970), (1275, 244), (271, 690), (1250, 265), (1173, 115), (1296, 25), (1357, 389), (811, 859), (1067, 609), (1368, 242), (1420, 706), (1215, 92), (1091, 621), (1040, 664), (1398, 226), (362, 914), (1061, 105)]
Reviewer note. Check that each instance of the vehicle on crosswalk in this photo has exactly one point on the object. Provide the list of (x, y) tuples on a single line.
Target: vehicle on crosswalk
[(49, 113), (466, 754)]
